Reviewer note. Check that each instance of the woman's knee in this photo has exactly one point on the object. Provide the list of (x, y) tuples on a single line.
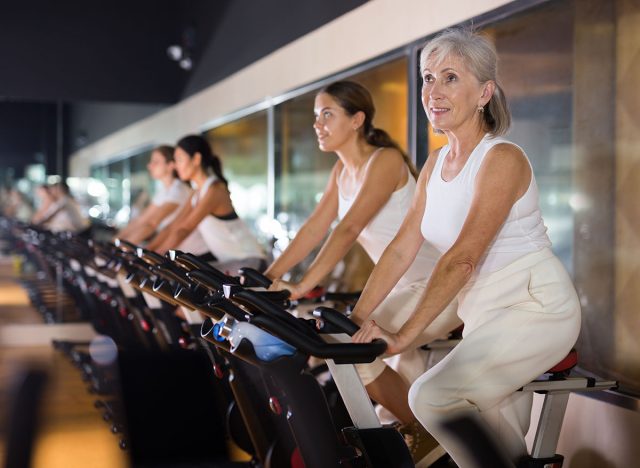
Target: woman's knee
[(422, 396), (431, 400)]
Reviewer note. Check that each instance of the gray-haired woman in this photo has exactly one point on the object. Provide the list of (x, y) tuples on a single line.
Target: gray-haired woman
[(477, 202)]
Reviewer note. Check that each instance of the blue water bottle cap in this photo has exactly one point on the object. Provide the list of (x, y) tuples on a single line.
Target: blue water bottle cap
[(216, 332)]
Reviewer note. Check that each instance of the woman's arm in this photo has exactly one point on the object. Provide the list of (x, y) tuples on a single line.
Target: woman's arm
[(147, 223), (399, 254), (159, 239), (502, 179), (216, 195), (312, 231), (133, 225), (39, 215)]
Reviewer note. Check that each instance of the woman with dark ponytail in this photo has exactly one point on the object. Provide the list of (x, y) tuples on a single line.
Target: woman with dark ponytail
[(209, 212), (370, 190), (171, 194)]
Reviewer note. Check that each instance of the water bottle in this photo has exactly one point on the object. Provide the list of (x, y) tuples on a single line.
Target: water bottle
[(266, 346)]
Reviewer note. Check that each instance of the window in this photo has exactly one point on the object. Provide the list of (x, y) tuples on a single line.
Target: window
[(142, 186), (242, 146)]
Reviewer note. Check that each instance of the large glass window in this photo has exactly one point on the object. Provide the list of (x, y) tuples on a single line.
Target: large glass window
[(537, 75), (242, 145), (119, 190), (142, 186), (118, 187)]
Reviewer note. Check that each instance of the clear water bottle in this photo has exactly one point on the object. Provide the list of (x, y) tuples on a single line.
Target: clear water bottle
[(266, 346)]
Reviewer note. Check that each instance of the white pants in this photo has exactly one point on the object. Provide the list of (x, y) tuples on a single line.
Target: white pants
[(391, 314), (519, 322)]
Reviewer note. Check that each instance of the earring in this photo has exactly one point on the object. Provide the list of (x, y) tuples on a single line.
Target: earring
[(480, 109)]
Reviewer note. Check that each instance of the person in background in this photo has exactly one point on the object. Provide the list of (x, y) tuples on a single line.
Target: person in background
[(171, 194), (477, 202), (44, 200), (17, 206), (209, 211), (370, 191), (66, 214)]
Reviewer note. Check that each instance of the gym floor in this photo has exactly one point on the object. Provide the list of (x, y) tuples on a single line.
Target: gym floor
[(71, 432)]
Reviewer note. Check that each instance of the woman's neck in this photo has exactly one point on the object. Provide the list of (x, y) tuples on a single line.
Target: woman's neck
[(199, 178), (355, 154), (463, 140), (167, 181)]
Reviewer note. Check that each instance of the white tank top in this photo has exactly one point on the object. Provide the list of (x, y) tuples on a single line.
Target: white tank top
[(381, 230), (177, 193), (227, 239), (194, 244), (448, 204)]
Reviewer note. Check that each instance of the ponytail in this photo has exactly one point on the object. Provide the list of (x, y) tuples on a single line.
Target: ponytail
[(210, 163), (496, 113), (379, 138)]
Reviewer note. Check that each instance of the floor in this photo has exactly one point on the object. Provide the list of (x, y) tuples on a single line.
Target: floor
[(72, 433)]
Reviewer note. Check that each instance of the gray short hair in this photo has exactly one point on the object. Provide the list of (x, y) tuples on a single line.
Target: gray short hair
[(480, 56)]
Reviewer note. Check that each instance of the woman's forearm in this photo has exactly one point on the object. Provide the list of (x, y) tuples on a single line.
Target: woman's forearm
[(449, 276), (160, 238), (334, 249), (142, 232), (395, 261), (173, 240), (301, 246)]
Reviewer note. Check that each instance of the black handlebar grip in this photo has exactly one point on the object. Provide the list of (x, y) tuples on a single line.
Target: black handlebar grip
[(336, 319), (125, 245), (252, 277), (150, 256), (191, 262), (204, 279), (168, 272)]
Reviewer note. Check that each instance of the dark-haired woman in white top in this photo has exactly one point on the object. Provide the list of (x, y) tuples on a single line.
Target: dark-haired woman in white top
[(171, 194)]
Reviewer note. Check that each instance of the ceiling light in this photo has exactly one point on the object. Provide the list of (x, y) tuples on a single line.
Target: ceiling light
[(186, 63), (174, 52)]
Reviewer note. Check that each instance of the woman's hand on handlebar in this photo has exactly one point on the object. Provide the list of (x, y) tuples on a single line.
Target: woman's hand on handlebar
[(369, 331), (294, 289)]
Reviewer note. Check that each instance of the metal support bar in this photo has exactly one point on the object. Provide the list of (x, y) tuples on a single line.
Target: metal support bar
[(354, 395), (351, 389), (577, 384), (549, 425)]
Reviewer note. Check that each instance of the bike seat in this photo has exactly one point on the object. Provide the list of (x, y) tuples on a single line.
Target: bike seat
[(568, 363)]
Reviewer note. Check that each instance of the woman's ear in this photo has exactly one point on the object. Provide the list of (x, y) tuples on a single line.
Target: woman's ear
[(197, 158), (357, 120), (487, 92)]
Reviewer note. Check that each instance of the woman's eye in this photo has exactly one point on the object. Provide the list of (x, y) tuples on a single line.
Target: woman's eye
[(451, 77), (428, 78), (326, 114)]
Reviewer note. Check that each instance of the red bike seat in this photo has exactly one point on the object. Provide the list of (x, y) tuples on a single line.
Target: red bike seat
[(568, 363)]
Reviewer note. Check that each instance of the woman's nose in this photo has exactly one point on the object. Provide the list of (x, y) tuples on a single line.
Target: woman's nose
[(435, 91)]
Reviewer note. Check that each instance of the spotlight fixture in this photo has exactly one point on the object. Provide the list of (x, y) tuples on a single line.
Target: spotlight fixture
[(182, 51), (174, 52), (186, 63)]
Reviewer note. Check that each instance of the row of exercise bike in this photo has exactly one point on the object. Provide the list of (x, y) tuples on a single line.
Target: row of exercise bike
[(232, 365)]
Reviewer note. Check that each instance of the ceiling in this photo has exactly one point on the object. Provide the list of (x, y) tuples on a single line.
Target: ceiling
[(73, 53)]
